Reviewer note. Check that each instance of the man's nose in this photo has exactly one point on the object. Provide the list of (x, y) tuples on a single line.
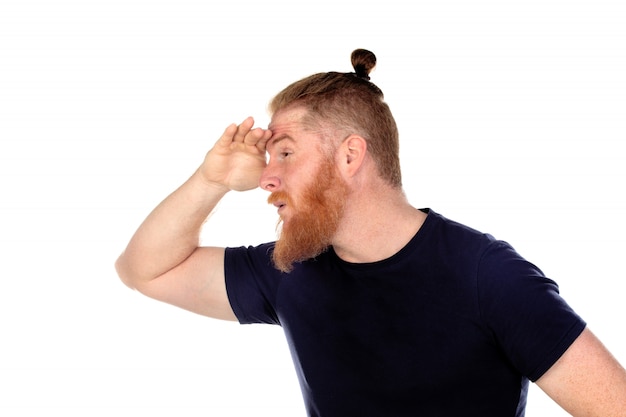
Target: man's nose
[(269, 180)]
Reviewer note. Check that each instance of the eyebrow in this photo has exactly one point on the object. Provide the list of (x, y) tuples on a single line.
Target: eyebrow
[(274, 141)]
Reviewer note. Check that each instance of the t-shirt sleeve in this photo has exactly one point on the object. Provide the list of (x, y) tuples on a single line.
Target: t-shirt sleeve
[(252, 283), (529, 319)]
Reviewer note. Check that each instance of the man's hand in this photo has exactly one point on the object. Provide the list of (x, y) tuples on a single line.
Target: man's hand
[(163, 259), (237, 159)]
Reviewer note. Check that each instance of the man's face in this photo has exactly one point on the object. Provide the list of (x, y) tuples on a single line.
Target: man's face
[(307, 189)]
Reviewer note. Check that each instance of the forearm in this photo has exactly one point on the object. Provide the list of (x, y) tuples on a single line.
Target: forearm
[(170, 233)]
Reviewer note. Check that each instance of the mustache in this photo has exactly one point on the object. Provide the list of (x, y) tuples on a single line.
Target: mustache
[(279, 197)]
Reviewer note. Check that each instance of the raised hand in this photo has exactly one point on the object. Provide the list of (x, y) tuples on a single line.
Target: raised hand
[(237, 159)]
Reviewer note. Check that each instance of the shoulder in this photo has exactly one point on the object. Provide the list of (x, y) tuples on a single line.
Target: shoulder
[(252, 283), (441, 227), (262, 252), (254, 263), (455, 243)]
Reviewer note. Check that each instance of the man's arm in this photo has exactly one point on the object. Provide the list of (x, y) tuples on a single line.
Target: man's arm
[(163, 260), (587, 381)]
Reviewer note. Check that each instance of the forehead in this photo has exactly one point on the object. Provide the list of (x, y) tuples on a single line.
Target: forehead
[(287, 124), (287, 119)]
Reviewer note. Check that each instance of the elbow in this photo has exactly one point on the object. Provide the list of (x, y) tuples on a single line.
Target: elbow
[(124, 273), (128, 273)]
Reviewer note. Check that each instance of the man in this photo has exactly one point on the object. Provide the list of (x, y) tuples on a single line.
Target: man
[(388, 310)]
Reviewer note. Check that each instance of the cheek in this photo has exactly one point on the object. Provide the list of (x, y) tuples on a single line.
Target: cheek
[(299, 174)]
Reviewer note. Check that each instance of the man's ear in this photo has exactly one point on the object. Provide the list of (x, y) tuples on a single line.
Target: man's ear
[(352, 153)]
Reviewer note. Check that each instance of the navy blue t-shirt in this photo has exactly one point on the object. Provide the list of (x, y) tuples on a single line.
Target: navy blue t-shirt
[(454, 324)]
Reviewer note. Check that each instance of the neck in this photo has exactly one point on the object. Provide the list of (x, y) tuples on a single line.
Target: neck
[(376, 225)]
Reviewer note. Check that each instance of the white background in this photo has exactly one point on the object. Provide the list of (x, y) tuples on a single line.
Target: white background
[(512, 117)]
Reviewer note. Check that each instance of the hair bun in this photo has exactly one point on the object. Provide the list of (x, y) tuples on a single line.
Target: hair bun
[(363, 62)]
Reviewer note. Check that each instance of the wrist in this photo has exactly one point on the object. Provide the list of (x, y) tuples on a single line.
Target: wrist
[(213, 187)]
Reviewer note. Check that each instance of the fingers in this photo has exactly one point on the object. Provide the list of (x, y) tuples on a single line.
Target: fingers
[(228, 135), (258, 137), (243, 130), (244, 133), (262, 145)]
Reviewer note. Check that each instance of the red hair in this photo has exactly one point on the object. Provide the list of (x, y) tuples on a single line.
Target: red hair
[(351, 104)]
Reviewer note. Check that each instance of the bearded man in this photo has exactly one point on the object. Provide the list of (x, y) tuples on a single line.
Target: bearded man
[(388, 310)]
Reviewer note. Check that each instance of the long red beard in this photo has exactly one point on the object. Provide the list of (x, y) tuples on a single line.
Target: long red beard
[(314, 221)]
